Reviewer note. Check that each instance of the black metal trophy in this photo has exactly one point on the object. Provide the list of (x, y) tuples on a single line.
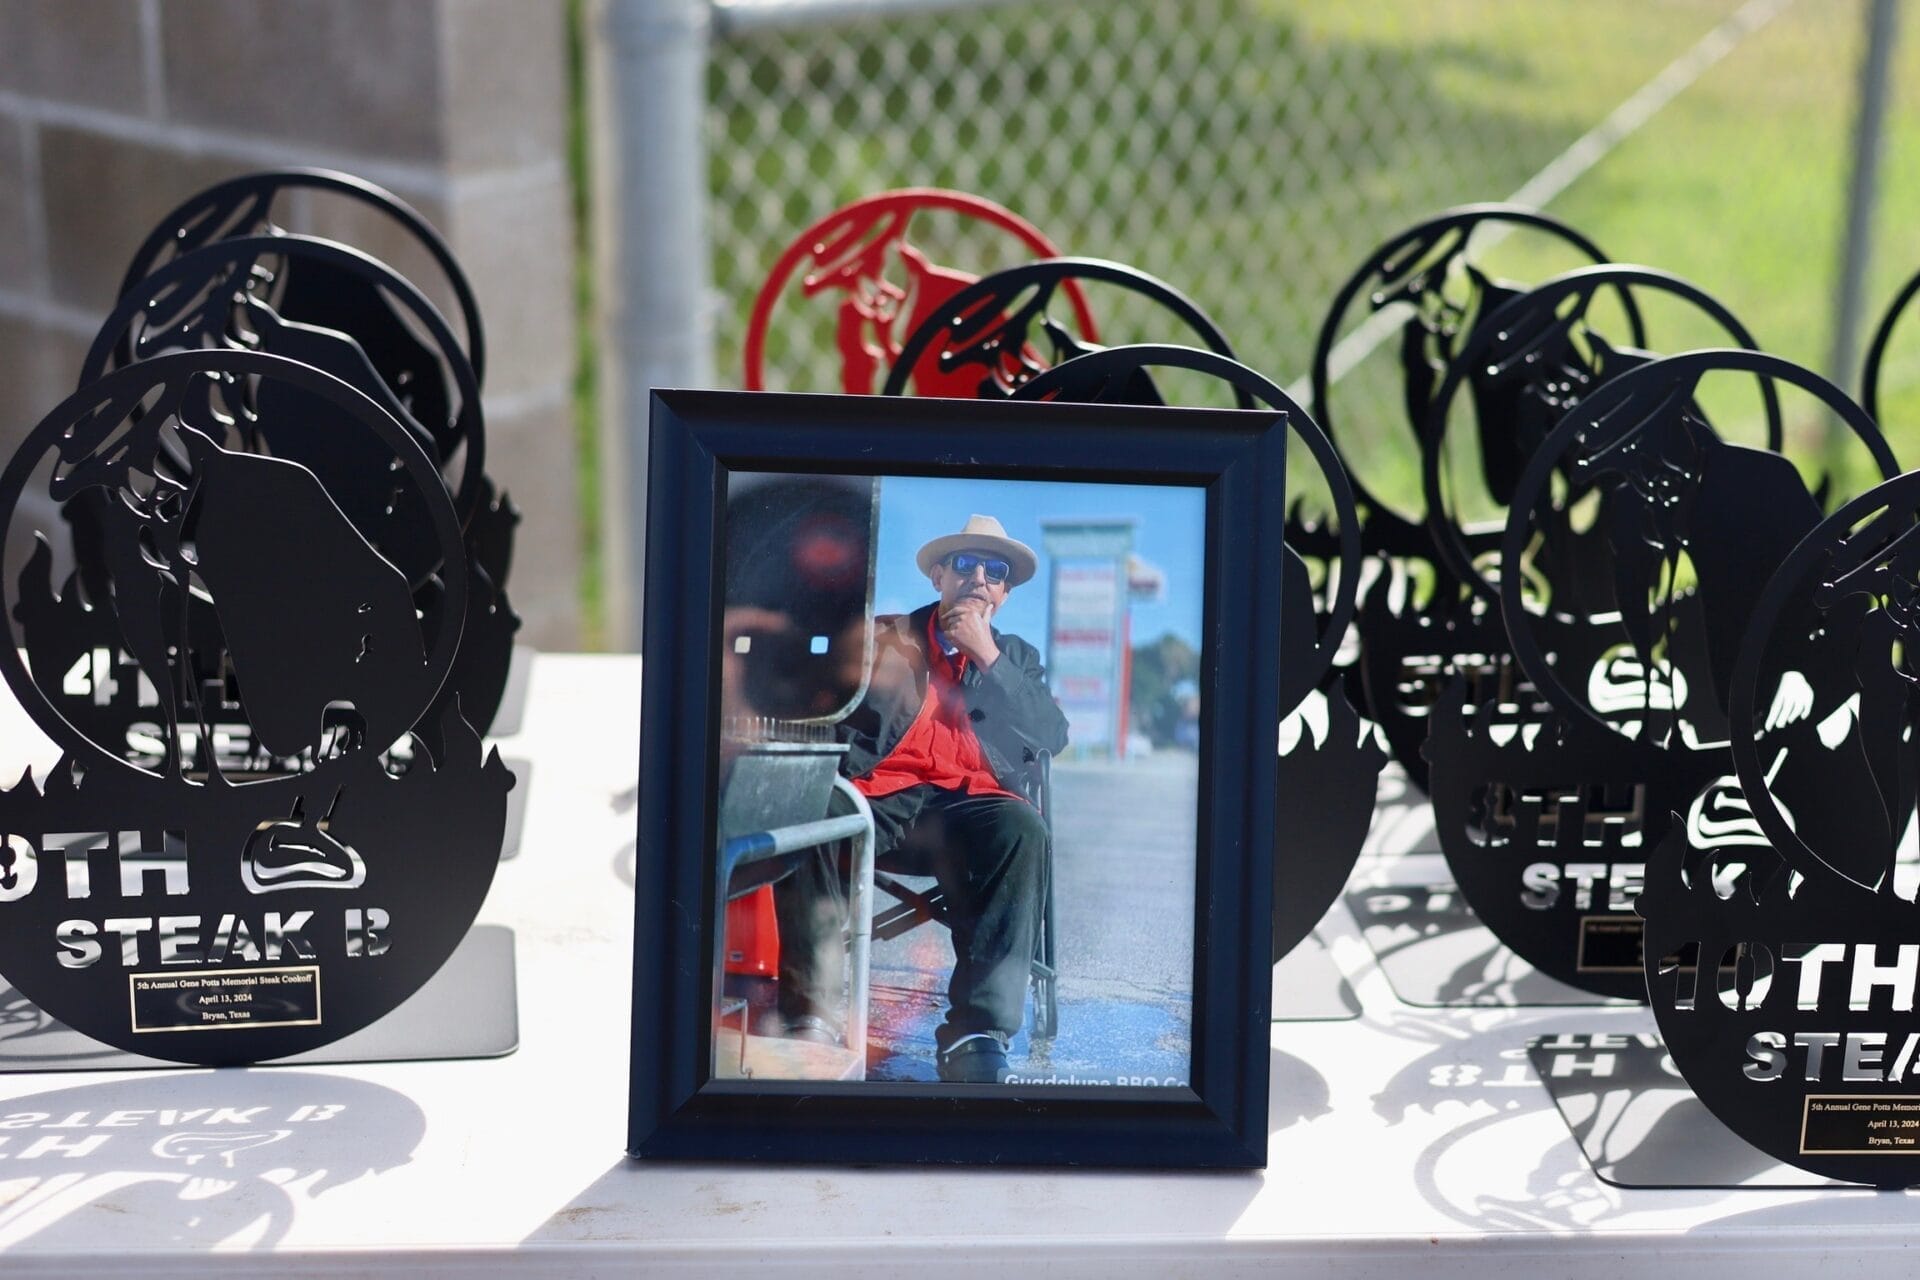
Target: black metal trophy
[(1328, 773), (1882, 341), (225, 296), (995, 327), (256, 286), (989, 326), (246, 206), (178, 907), (1558, 811), (1540, 819), (1782, 965), (1426, 286)]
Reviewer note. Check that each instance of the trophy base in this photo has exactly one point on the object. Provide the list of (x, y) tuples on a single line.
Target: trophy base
[(469, 1009)]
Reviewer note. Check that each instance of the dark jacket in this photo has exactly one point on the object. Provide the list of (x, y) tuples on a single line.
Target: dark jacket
[(1013, 712)]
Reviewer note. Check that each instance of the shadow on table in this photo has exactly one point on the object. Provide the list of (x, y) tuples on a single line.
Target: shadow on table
[(1402, 818), (1624, 1119), (897, 1212), (646, 1200), (1309, 987), (1638, 1123), (1436, 954), (1296, 1093), (1478, 1093), (190, 1160)]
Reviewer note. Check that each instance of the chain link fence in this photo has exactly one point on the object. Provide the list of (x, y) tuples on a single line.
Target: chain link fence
[(1251, 153), (1248, 152)]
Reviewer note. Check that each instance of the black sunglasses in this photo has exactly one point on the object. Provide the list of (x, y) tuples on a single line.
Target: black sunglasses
[(965, 562)]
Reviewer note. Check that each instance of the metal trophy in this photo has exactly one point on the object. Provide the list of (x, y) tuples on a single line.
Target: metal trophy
[(1882, 340), (989, 326), (357, 318), (1425, 289), (1328, 772), (885, 284), (223, 296), (176, 906), (1564, 812), (1521, 790), (1782, 965)]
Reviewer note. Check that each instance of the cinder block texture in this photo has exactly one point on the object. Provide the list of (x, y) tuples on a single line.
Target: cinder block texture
[(461, 105), (356, 75), (81, 52), (39, 367), (531, 455), (16, 194), (517, 246), (102, 197), (506, 82)]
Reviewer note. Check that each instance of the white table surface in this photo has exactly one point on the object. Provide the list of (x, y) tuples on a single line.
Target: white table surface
[(516, 1164)]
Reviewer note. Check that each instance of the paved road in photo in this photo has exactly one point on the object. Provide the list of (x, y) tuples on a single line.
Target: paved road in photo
[(1123, 866)]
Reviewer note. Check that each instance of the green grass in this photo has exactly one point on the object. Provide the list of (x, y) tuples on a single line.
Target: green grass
[(1249, 153), (1252, 152), (1740, 186), (586, 377)]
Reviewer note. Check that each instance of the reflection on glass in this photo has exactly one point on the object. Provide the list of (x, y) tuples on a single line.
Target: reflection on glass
[(959, 774)]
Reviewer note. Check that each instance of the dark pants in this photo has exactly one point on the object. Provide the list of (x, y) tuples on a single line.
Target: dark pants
[(989, 854)]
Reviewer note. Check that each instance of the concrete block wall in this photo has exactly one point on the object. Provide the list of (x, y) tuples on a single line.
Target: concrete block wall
[(113, 111)]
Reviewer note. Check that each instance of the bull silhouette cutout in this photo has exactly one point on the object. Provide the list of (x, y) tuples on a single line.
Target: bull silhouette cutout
[(253, 612), (354, 637), (332, 635), (236, 295)]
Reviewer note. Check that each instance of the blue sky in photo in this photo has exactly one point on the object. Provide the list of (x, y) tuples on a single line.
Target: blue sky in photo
[(1170, 533)]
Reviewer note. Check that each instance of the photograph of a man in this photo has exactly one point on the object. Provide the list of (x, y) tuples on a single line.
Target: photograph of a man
[(945, 744)]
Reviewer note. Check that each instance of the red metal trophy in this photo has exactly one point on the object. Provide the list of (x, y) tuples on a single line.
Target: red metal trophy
[(888, 286)]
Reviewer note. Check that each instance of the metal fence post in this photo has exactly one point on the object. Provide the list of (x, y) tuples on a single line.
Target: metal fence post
[(1856, 250), (655, 298)]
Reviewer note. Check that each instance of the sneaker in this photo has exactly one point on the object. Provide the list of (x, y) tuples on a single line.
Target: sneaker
[(980, 1058)]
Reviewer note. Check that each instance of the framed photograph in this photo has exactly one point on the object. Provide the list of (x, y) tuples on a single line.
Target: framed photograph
[(957, 771)]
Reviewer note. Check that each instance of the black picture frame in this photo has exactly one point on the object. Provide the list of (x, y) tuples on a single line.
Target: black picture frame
[(677, 1109)]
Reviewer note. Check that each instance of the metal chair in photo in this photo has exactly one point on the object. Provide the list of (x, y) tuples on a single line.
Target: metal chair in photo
[(782, 802), (913, 907)]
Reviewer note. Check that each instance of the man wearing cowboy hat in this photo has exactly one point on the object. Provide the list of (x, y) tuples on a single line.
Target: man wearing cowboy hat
[(954, 714)]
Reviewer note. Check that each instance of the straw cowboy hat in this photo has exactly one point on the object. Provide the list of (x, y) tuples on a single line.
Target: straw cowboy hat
[(981, 533)]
